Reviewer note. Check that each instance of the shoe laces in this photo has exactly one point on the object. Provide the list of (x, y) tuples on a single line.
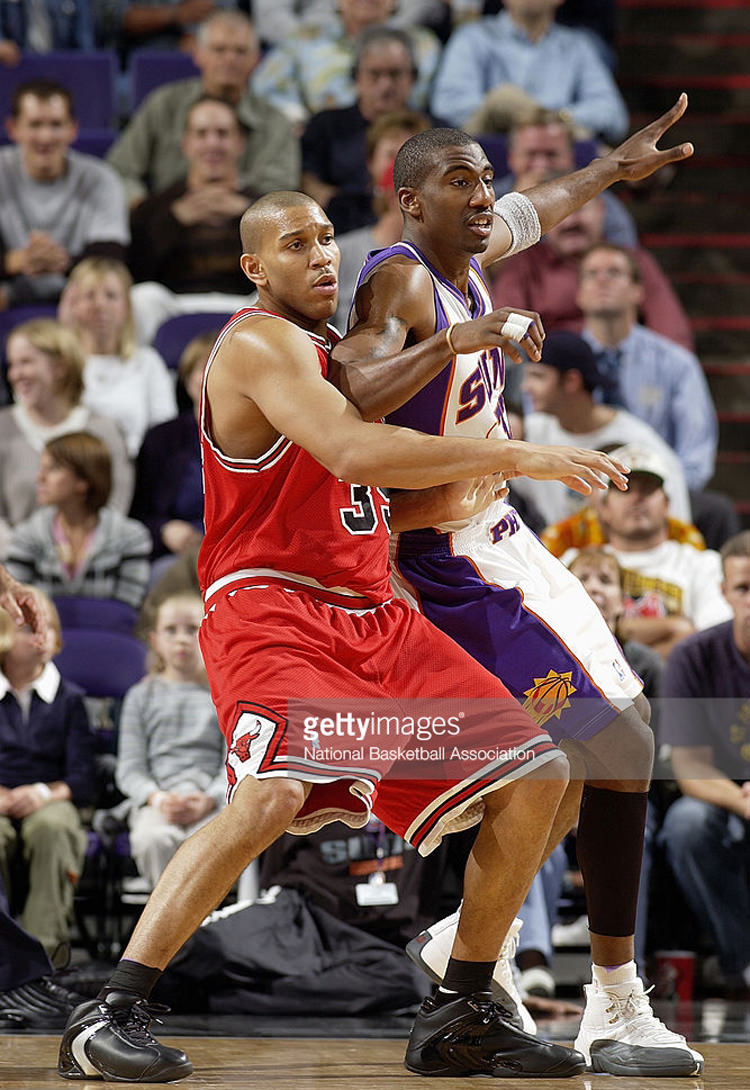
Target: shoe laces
[(134, 1021), (635, 1009), (490, 1010)]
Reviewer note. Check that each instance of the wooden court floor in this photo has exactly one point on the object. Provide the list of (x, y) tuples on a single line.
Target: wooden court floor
[(224, 1063)]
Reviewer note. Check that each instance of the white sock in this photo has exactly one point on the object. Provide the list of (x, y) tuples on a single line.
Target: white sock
[(620, 974)]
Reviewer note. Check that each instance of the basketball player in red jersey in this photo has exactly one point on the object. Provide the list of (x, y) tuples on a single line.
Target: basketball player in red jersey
[(295, 576)]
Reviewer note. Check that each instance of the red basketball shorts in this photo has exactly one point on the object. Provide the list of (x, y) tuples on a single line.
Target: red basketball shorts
[(372, 705)]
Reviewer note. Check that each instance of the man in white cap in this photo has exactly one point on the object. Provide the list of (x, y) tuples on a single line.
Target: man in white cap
[(671, 589)]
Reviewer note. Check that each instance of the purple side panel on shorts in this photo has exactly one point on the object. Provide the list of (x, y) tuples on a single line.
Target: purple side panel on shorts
[(491, 623)]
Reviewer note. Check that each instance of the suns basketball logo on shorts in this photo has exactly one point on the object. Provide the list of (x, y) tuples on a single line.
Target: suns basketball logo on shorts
[(549, 696)]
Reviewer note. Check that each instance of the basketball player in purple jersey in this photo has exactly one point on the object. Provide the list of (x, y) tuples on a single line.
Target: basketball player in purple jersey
[(419, 352)]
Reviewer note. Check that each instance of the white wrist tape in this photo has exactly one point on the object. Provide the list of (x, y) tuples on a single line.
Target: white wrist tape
[(43, 791), (521, 217), (516, 326)]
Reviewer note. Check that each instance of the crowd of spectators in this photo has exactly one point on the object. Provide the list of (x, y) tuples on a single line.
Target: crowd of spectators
[(100, 487)]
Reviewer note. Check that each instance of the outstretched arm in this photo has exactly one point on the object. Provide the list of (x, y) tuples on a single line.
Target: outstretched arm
[(636, 158), (268, 372)]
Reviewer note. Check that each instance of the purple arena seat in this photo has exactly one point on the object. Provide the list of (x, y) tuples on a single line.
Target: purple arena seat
[(103, 663), (175, 334), (79, 611), (150, 68), (90, 77)]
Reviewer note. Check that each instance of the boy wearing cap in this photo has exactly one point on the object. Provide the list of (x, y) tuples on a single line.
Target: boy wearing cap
[(671, 589)]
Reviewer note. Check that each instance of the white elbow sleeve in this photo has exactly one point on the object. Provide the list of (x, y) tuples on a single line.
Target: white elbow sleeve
[(522, 220)]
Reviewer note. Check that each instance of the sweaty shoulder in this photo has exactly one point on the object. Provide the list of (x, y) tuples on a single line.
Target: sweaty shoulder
[(263, 341), (397, 287), (257, 357)]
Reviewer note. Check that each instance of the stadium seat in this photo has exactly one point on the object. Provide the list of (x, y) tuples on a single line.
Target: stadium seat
[(12, 317), (90, 77), (94, 141), (103, 663), (175, 334), (150, 68), (79, 611)]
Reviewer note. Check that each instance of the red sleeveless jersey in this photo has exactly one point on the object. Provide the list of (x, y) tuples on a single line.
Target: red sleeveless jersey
[(284, 512)]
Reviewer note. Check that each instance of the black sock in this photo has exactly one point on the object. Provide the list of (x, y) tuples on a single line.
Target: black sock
[(132, 977), (465, 978), (610, 848)]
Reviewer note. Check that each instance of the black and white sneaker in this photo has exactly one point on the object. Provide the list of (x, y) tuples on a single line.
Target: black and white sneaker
[(110, 1039), (468, 1036), (431, 950), (40, 1004)]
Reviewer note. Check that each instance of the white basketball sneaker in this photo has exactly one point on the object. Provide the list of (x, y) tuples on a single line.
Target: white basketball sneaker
[(620, 1035), (431, 949)]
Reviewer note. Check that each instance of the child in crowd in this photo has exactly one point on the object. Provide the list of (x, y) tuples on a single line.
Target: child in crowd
[(171, 753)]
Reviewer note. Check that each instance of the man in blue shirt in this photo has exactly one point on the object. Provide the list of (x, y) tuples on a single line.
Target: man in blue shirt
[(706, 719), (657, 380), (524, 59)]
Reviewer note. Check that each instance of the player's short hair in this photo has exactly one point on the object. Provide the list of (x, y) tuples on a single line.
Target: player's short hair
[(613, 247), (416, 159), (739, 546), (62, 346), (43, 89), (373, 36), (262, 211), (89, 458), (9, 629)]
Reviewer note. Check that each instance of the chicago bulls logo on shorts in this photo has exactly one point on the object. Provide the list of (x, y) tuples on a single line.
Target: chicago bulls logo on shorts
[(258, 743)]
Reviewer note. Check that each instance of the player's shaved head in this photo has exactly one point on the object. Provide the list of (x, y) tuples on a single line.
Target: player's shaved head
[(420, 154), (268, 212)]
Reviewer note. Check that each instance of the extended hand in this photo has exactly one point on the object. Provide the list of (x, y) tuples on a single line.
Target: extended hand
[(638, 157), (581, 470)]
